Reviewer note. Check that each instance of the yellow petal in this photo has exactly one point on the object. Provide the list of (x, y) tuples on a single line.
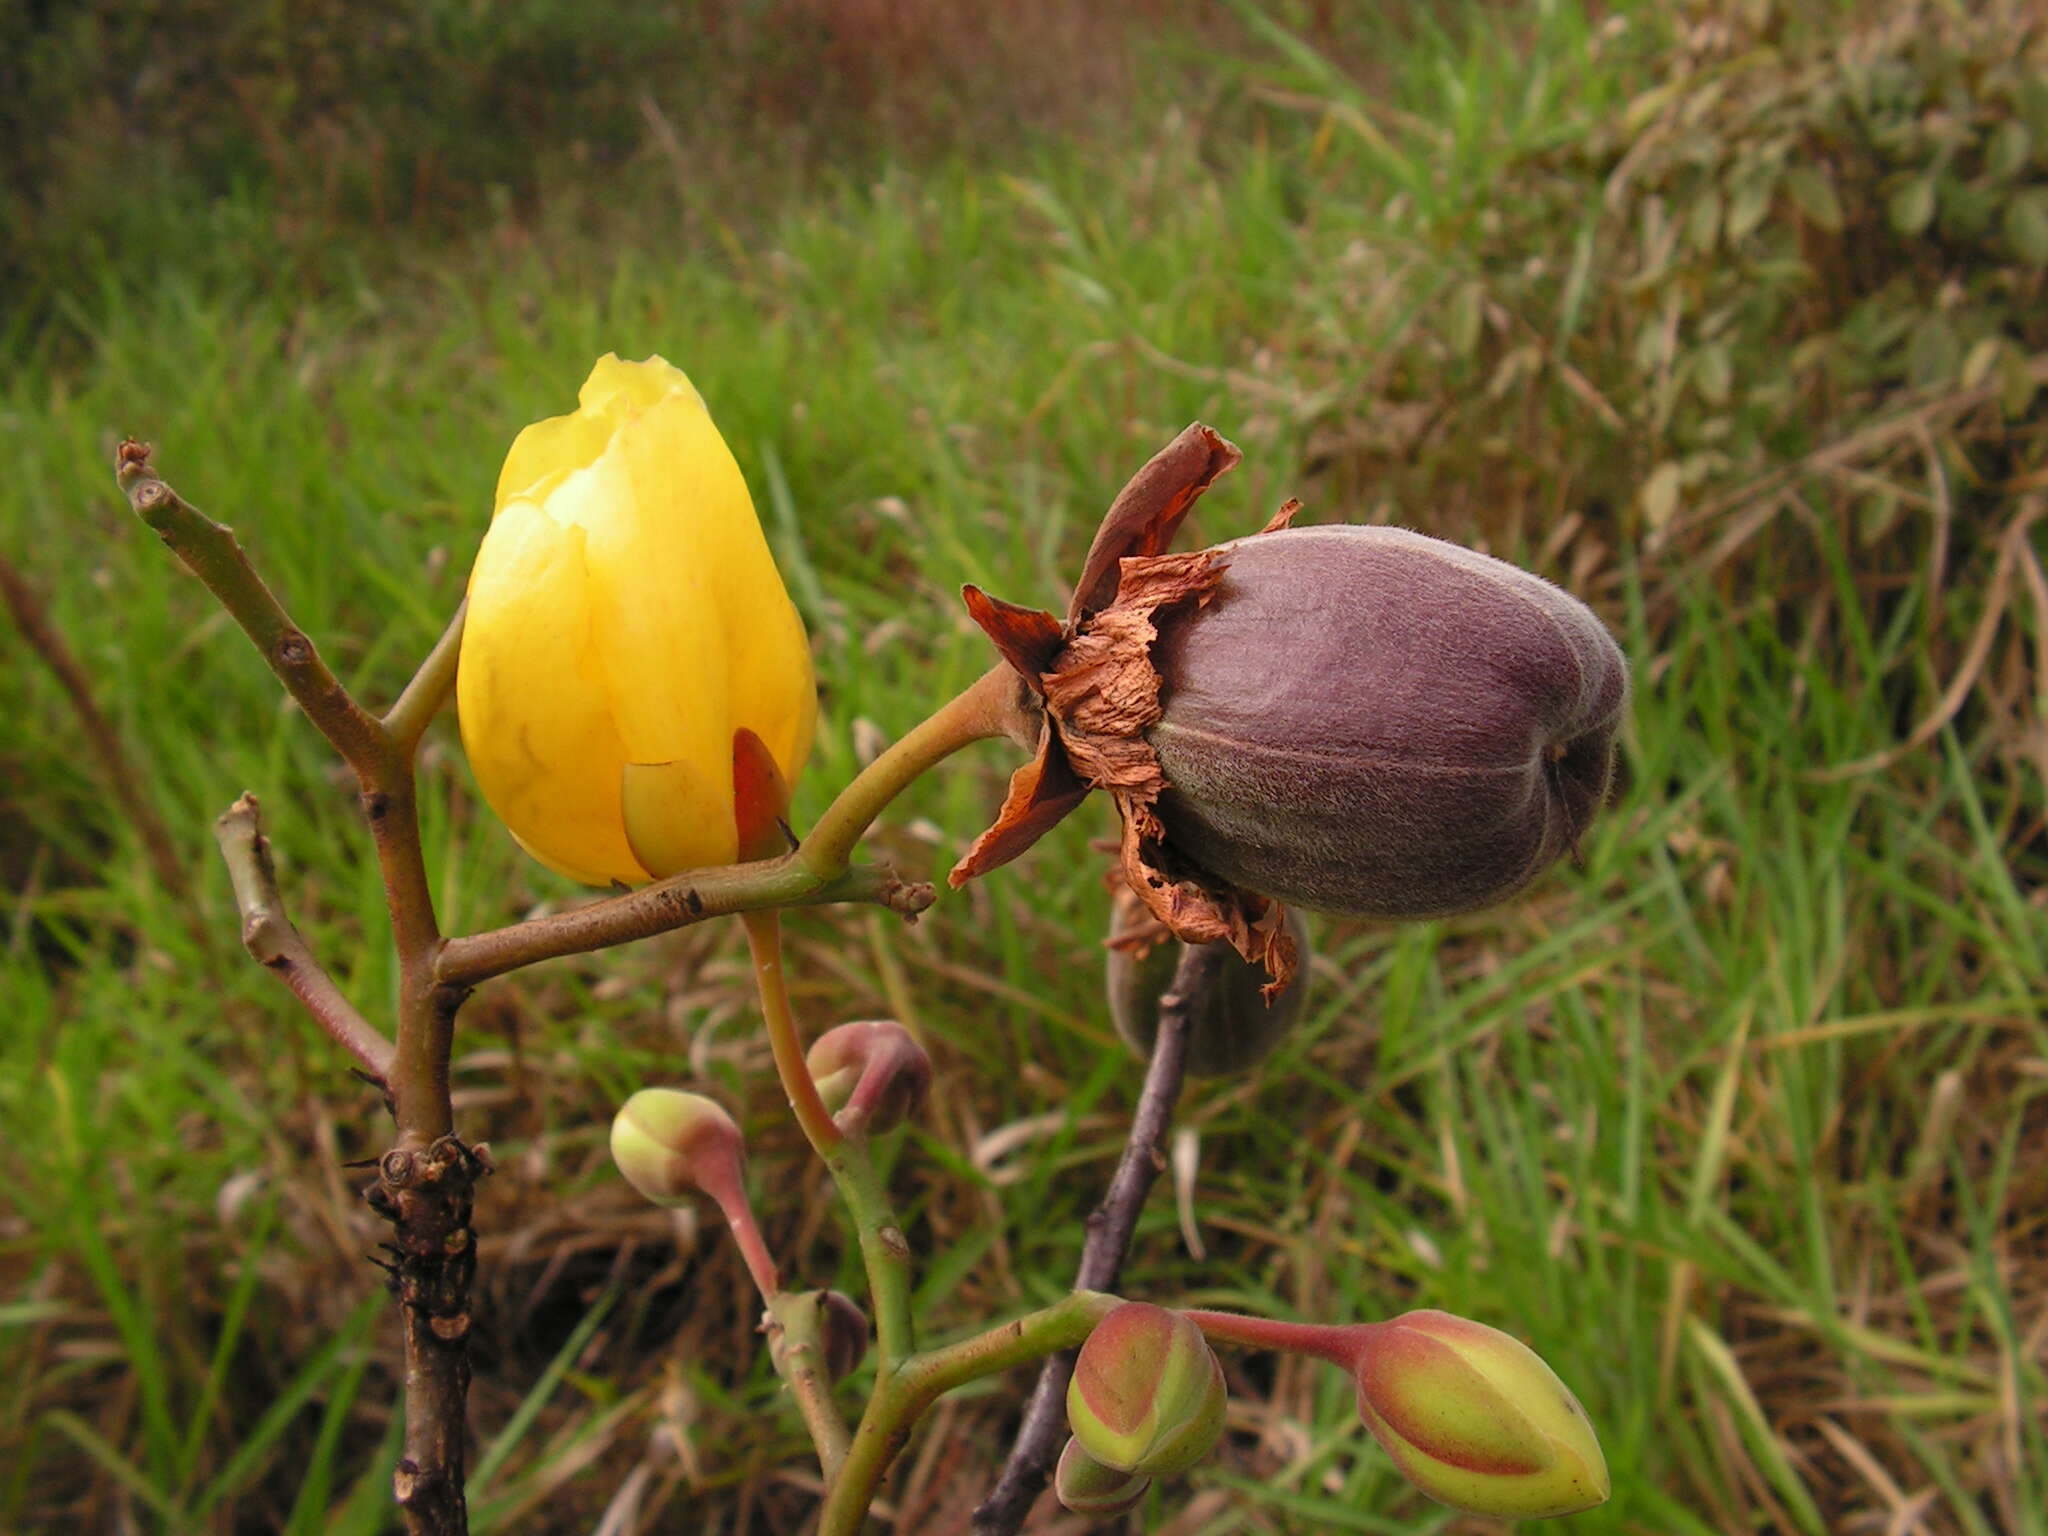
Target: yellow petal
[(535, 718), (549, 450), (675, 458), (675, 818)]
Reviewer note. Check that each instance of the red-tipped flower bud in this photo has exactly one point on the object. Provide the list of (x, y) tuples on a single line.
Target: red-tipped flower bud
[(1147, 1394), (1476, 1420), (1087, 1487), (670, 1144), (1233, 1030), (872, 1074)]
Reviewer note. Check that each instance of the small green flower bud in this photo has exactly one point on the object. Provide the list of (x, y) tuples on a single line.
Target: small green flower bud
[(1087, 1487), (1147, 1394), (1233, 1030), (1476, 1420), (670, 1144), (872, 1074)]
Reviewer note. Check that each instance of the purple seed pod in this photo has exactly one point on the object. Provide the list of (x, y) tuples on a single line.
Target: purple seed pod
[(1363, 721), (1371, 722)]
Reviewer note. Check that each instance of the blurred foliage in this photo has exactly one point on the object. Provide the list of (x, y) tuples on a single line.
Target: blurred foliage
[(1799, 276), (1727, 316), (386, 116)]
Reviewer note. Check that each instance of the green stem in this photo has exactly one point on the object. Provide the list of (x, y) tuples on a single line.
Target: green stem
[(797, 1346), (989, 706), (885, 1254), (407, 720), (764, 938), (1340, 1344), (884, 1251), (921, 1380)]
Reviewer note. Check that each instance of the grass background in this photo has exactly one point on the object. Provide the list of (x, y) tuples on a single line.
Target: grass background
[(1727, 318)]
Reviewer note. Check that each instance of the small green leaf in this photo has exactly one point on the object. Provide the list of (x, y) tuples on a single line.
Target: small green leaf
[(2011, 147), (1879, 513), (1814, 193), (2026, 226), (1703, 220), (1711, 373), (1660, 494), (1933, 352), (1912, 206), (2033, 104), (1519, 364), (1982, 359), (1748, 201), (2017, 385), (1462, 322)]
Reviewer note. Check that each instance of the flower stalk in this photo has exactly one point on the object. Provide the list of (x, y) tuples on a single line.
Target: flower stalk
[(885, 1253)]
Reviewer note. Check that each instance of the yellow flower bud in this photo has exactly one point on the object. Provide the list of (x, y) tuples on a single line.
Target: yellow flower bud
[(628, 637)]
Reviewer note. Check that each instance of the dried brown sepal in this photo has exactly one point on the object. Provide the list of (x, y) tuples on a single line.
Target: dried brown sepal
[(1147, 512), (1029, 638), (1102, 691), (1101, 695), (1133, 930), (1041, 794), (1284, 517), (1141, 521), (1199, 908)]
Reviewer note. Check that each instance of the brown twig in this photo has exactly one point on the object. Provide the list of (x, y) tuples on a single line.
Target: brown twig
[(32, 617), (425, 1183), (1110, 1227), (275, 944), (210, 551), (668, 905)]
